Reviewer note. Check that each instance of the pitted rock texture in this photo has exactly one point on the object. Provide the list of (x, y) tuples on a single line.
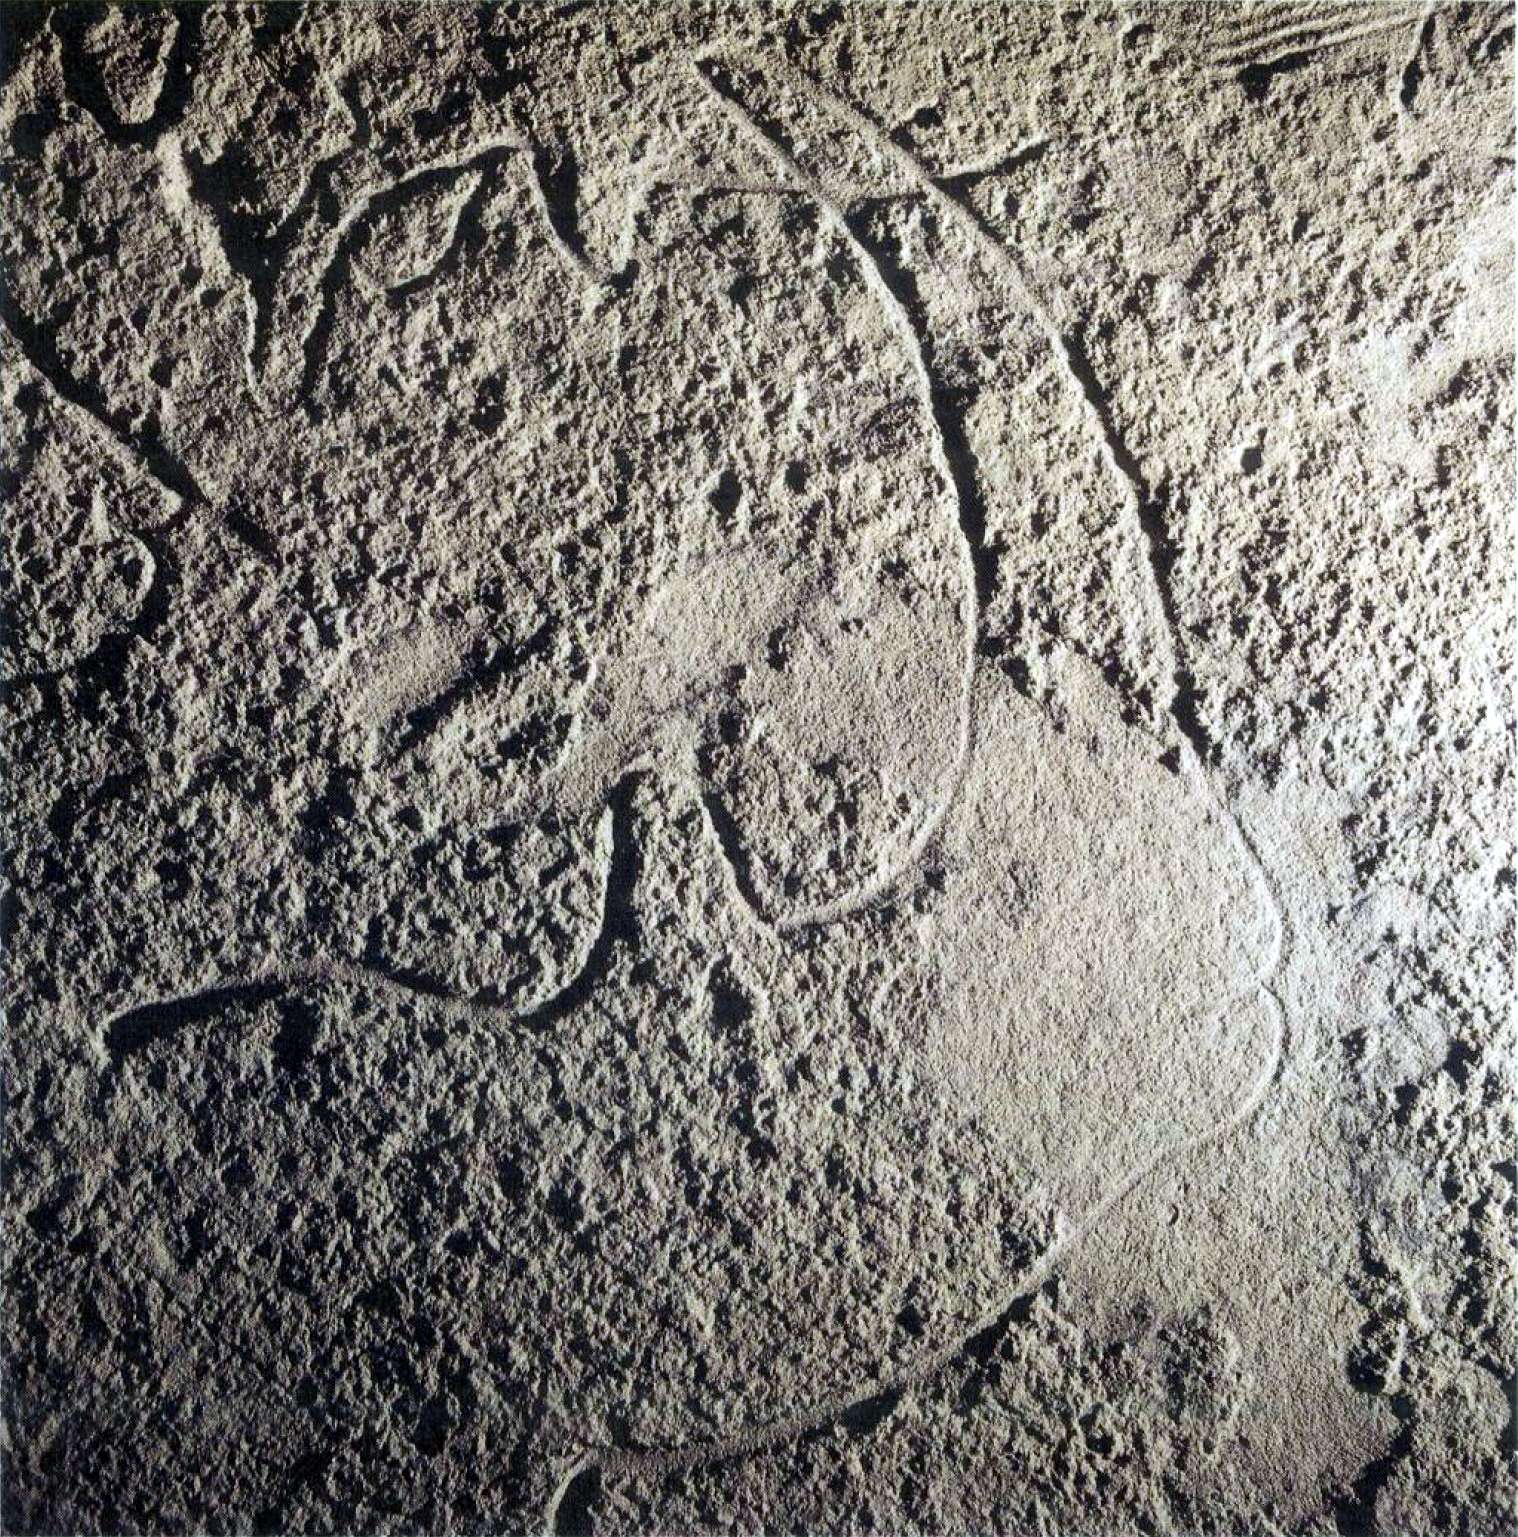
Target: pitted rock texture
[(760, 768)]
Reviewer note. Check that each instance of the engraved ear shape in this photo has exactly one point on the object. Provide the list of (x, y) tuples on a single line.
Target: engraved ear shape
[(394, 239), (130, 69)]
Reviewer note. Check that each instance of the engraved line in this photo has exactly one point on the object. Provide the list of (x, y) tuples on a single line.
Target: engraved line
[(707, 71)]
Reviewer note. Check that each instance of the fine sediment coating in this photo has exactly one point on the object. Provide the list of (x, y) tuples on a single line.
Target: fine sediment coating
[(760, 768)]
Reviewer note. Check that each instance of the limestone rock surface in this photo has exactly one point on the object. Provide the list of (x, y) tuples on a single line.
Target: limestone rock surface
[(759, 768)]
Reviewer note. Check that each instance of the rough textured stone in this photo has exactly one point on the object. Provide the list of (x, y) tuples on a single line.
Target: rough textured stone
[(759, 768)]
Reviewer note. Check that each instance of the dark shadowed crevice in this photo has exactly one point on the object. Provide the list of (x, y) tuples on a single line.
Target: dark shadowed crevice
[(619, 919), (1159, 548), (72, 806), (867, 1416), (254, 253), (558, 177), (573, 1514), (730, 841), (1412, 71), (299, 1026), (948, 408), (71, 23), (138, 1029), (1257, 79)]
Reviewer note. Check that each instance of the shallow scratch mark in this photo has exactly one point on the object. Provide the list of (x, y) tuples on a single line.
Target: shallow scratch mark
[(1310, 32), (429, 717)]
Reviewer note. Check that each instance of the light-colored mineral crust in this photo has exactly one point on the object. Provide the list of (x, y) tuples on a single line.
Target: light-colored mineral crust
[(760, 768)]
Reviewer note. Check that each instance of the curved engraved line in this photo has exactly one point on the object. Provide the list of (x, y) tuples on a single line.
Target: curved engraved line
[(134, 455), (625, 1457), (885, 1388), (1148, 546), (140, 1025), (878, 885), (151, 611), (143, 448), (334, 271), (1125, 469), (783, 1430), (554, 1517)]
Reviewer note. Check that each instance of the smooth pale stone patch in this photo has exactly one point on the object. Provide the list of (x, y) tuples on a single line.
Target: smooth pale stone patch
[(1098, 950), (1078, 998)]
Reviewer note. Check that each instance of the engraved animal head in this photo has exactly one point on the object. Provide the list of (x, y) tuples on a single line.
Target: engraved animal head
[(575, 677)]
